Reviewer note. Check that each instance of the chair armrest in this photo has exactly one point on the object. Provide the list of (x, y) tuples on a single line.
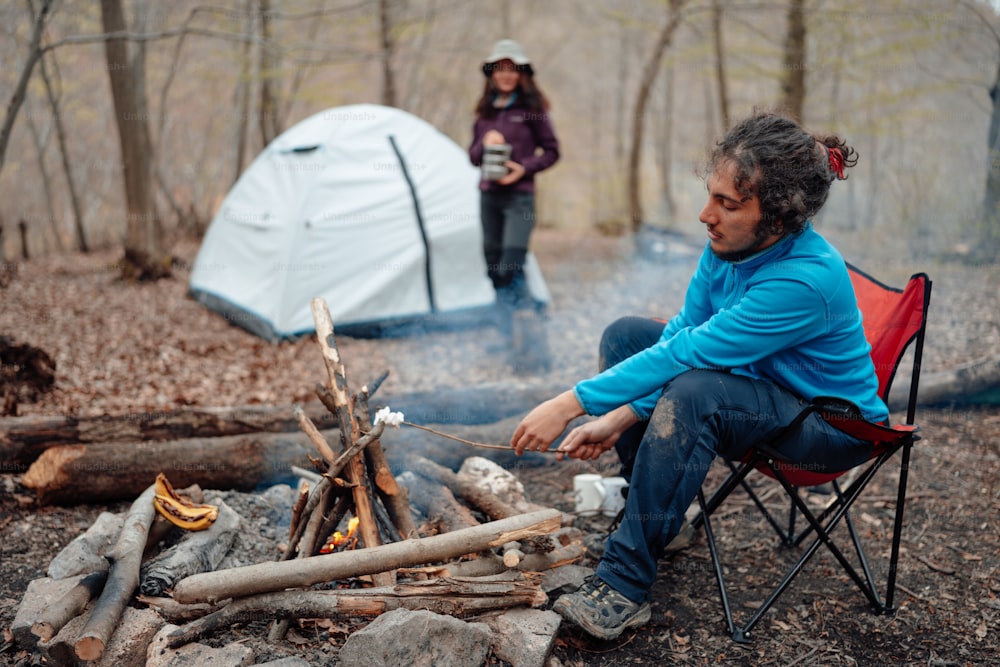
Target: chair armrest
[(846, 416)]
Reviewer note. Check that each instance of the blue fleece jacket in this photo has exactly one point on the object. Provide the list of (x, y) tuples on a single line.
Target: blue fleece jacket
[(787, 314)]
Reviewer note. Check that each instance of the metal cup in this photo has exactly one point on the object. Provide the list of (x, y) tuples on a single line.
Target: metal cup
[(495, 157)]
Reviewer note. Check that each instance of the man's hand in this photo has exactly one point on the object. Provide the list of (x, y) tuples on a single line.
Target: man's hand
[(590, 440), (515, 173), (545, 423)]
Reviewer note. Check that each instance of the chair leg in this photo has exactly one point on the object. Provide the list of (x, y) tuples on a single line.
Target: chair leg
[(860, 551), (897, 527), (823, 536), (736, 633)]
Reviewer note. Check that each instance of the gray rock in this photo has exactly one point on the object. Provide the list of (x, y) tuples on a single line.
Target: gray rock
[(564, 579), (524, 637), (41, 593), (417, 639), (194, 654)]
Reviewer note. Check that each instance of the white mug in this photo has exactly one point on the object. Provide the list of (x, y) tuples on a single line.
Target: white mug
[(594, 494), (614, 500), (588, 494)]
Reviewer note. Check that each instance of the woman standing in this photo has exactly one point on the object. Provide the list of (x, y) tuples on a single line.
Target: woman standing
[(512, 114)]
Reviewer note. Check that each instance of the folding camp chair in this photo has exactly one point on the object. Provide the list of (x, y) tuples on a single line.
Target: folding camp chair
[(892, 319)]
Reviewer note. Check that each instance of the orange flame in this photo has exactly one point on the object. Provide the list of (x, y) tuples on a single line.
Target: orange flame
[(338, 538)]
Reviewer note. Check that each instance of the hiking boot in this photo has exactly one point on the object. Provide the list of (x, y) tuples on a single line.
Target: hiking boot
[(600, 610)]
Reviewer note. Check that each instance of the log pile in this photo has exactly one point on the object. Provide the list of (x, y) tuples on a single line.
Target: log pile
[(354, 548)]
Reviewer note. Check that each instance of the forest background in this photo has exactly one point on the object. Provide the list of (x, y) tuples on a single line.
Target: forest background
[(192, 92)]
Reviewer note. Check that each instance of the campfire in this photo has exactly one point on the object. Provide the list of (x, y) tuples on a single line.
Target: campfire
[(348, 541), (353, 548)]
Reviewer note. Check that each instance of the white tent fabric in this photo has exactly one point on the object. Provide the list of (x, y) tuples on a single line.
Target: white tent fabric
[(368, 207)]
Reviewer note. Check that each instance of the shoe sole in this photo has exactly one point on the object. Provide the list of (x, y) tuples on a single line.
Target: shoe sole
[(641, 618)]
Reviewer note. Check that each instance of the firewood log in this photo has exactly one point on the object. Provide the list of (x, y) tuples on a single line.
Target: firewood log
[(481, 498), (453, 596), (123, 578), (356, 470), (437, 503), (276, 576), (199, 551), (57, 615)]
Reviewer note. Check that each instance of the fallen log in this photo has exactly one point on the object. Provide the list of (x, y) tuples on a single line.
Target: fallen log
[(957, 385), (123, 578), (104, 472), (274, 576), (452, 596), (23, 439)]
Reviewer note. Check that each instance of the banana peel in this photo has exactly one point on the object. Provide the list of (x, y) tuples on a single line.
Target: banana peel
[(181, 511)]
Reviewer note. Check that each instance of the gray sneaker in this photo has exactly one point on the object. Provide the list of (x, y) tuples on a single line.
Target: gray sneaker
[(600, 610)]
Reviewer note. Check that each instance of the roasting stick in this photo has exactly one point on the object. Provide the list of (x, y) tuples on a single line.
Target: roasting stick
[(467, 442)]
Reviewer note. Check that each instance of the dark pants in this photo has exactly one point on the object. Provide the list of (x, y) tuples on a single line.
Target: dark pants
[(701, 414), (508, 219)]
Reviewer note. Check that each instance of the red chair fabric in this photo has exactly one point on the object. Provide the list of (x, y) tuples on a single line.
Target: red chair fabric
[(892, 318)]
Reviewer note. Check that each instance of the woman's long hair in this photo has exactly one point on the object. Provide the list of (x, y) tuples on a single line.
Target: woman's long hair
[(528, 95)]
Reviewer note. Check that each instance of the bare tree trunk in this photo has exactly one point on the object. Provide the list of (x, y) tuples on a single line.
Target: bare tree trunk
[(74, 197), (989, 234), (505, 25), (144, 257), (665, 146), (623, 67), (649, 74), (793, 87), (385, 25), (266, 71), (243, 96), (34, 53), (720, 64), (41, 140), (988, 241), (22, 227)]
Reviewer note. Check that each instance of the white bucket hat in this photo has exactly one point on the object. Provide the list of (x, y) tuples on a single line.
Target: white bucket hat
[(507, 49)]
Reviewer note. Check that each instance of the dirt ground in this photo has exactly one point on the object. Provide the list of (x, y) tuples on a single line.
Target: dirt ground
[(123, 349)]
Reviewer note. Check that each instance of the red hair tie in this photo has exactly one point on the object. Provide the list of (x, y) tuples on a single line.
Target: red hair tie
[(836, 158)]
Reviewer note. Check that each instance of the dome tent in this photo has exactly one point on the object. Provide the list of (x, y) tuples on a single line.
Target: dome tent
[(368, 207)]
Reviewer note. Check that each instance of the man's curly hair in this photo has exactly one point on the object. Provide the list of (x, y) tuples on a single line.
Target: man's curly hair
[(787, 168)]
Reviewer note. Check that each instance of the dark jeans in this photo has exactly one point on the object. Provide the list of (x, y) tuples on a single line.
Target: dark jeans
[(701, 414), (508, 219)]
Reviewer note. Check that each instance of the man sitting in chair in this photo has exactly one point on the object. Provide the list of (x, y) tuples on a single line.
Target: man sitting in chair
[(769, 322)]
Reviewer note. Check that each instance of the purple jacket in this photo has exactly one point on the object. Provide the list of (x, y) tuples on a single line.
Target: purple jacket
[(526, 132)]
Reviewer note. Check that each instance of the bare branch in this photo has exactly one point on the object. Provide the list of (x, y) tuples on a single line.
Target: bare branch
[(34, 53)]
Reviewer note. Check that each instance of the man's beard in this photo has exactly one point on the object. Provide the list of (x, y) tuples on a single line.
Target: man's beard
[(760, 234)]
